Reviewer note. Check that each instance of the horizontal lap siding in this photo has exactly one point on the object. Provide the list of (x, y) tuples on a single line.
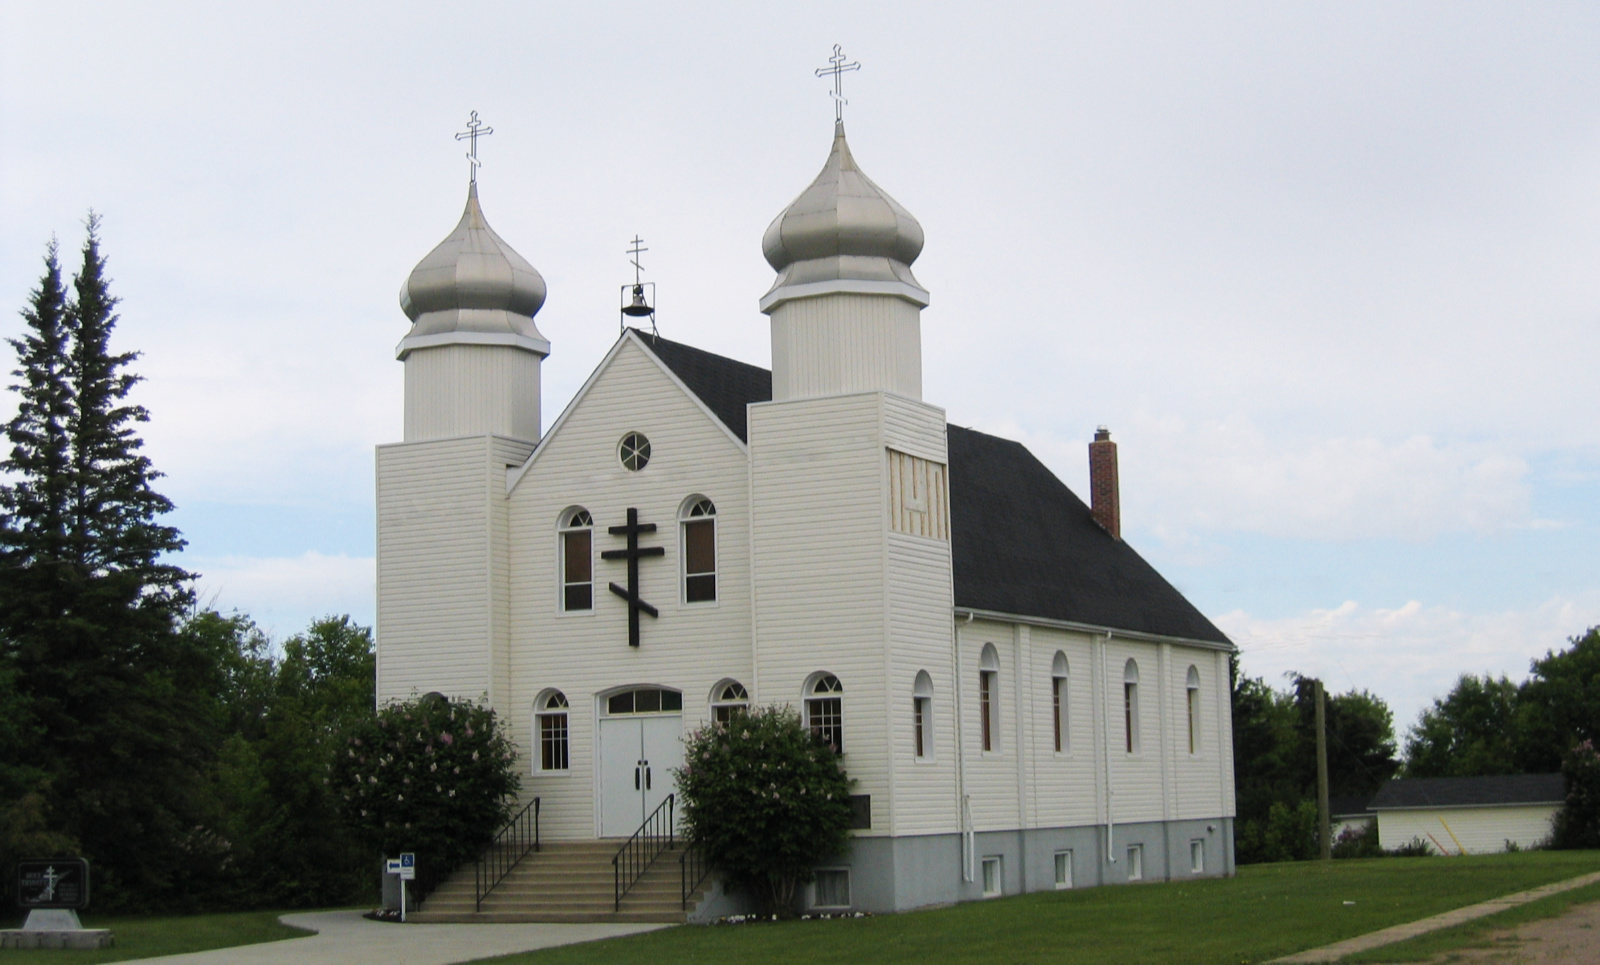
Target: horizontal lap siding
[(1483, 830), (433, 597), (1064, 784), (920, 639), (1135, 778), (817, 498), (991, 776), (688, 648), (1198, 778)]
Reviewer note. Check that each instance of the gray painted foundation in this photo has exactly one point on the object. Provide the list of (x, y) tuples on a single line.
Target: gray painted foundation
[(899, 873)]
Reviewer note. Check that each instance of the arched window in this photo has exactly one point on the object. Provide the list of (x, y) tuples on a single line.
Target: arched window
[(698, 522), (1058, 701), (553, 740), (922, 715), (577, 560), (1130, 705), (989, 697), (1193, 688), (727, 699), (825, 710)]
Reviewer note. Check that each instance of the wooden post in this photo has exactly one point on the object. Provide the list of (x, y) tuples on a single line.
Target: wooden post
[(1324, 819)]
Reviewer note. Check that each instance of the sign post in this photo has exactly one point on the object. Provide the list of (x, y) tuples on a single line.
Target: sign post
[(53, 891), (408, 872)]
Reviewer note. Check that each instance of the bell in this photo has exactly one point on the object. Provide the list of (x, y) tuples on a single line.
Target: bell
[(639, 308)]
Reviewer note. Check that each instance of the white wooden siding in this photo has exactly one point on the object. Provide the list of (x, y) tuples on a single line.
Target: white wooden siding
[(461, 390), (689, 647), (436, 577), (1480, 830), (846, 343)]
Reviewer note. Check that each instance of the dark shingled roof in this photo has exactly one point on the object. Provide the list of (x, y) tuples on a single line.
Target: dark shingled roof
[(725, 385), (1022, 543), (1426, 792), (1349, 805)]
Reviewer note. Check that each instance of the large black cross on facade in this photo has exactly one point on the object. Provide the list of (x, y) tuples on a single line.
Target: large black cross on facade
[(633, 554)]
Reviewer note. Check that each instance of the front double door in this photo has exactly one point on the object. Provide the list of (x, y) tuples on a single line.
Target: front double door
[(638, 755)]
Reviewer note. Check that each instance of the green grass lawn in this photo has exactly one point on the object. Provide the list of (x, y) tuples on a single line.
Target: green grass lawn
[(1476, 933), (149, 937), (1265, 912)]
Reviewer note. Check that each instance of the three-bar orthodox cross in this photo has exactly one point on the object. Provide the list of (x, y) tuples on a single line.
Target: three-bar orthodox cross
[(475, 129), (837, 67), (633, 554)]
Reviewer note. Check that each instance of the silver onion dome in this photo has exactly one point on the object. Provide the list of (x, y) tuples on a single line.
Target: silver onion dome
[(474, 288), (844, 228)]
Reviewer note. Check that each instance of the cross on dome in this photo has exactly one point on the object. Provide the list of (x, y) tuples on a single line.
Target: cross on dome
[(475, 129), (837, 68)]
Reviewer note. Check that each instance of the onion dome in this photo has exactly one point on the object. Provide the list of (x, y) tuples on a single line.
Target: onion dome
[(473, 289), (843, 234)]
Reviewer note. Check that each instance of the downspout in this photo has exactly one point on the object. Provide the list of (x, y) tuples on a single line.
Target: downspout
[(968, 840), (1111, 823)]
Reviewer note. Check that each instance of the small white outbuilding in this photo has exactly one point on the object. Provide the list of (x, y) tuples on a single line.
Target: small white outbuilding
[(1469, 815)]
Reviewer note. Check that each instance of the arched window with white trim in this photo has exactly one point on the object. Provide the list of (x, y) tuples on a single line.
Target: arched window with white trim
[(1130, 705), (554, 741), (1192, 691), (989, 698), (697, 522), (728, 698), (1059, 708), (922, 716), (577, 560), (825, 710)]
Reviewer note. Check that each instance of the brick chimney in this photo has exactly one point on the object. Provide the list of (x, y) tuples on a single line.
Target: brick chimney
[(1104, 501)]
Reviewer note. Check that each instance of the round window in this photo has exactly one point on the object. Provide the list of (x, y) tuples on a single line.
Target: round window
[(634, 451)]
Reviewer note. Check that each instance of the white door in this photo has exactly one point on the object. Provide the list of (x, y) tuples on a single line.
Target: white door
[(663, 752), (637, 755)]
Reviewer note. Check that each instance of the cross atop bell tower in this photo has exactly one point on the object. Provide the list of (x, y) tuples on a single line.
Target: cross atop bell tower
[(837, 67)]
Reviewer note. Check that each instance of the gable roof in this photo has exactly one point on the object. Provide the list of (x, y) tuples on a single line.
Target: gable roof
[(1021, 542), (1501, 789), (725, 385)]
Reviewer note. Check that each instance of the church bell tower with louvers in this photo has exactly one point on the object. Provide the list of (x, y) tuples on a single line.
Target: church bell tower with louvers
[(472, 359), (849, 490)]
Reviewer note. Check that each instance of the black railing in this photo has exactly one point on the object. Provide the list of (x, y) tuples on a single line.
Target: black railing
[(635, 857), (692, 869), (511, 845)]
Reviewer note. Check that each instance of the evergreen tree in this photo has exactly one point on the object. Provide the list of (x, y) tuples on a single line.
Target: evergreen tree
[(89, 607)]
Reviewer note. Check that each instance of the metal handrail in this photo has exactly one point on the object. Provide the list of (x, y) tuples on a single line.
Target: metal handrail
[(636, 856), (692, 869), (511, 844)]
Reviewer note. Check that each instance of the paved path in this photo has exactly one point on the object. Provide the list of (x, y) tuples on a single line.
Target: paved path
[(1388, 936), (345, 938)]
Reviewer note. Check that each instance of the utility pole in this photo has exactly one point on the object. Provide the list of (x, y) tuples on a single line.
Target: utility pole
[(1324, 819)]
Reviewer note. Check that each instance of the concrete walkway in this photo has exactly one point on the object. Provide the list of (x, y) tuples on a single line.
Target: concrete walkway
[(1388, 936), (346, 938)]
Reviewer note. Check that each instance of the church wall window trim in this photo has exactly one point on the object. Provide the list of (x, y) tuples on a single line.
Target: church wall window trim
[(577, 560), (919, 502), (825, 709), (633, 451), (697, 527), (1192, 693), (728, 698), (922, 717), (989, 699), (553, 736), (1130, 706), (1060, 709), (644, 700)]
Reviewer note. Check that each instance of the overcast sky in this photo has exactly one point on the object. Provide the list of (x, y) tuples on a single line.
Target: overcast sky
[(1330, 272)]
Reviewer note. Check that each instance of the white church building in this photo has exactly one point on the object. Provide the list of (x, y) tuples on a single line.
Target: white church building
[(1024, 703)]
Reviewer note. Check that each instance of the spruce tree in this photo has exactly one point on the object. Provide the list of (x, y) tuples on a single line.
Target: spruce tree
[(90, 605)]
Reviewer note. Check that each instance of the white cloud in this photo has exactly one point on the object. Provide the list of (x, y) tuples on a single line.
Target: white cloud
[(1230, 475), (1408, 655), (284, 594)]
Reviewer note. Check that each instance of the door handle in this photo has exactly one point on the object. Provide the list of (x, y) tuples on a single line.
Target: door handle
[(647, 779), (636, 779)]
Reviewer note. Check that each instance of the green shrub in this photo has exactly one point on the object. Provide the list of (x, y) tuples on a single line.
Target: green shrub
[(1415, 848), (765, 800), (1577, 824), (1358, 842), (433, 776)]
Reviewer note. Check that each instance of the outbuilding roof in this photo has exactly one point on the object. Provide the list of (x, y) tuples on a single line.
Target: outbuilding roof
[(1497, 790), (1021, 542)]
